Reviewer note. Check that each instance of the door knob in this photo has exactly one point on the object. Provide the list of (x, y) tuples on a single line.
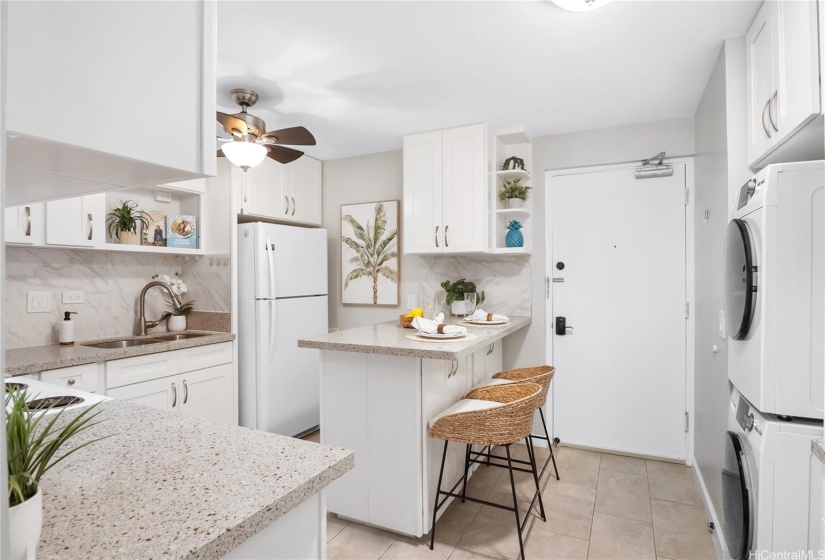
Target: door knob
[(561, 326)]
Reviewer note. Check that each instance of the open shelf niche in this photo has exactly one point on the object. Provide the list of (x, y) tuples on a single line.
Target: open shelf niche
[(507, 143)]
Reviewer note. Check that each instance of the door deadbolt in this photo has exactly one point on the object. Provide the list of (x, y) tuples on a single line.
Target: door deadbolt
[(561, 326)]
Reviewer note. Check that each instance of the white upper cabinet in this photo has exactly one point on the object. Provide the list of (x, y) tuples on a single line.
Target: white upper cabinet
[(108, 94), (303, 184), (288, 193), (77, 222), (24, 224), (261, 189), (445, 191), (783, 83)]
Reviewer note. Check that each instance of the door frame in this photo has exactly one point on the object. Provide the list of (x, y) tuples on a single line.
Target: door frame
[(690, 288)]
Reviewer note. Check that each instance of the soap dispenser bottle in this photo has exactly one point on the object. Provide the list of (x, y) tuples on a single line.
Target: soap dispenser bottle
[(66, 334)]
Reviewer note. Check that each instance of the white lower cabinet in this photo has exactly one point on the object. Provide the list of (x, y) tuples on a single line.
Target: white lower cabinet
[(195, 382), (85, 377)]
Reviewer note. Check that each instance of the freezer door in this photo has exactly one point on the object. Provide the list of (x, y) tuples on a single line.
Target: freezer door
[(299, 260), (288, 398)]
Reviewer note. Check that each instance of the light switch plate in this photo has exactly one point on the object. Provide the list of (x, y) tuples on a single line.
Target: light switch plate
[(38, 302), (72, 296)]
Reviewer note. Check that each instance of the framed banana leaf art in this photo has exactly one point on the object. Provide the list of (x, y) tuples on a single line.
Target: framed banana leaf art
[(370, 269)]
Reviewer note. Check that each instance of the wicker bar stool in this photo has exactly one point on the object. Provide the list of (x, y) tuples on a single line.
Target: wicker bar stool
[(491, 416)]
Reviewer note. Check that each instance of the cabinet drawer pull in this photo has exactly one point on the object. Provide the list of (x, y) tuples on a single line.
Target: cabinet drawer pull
[(185, 392), (91, 226), (771, 105), (71, 381), (446, 240), (293, 206), (286, 199), (28, 221), (764, 127), (436, 236), (174, 395)]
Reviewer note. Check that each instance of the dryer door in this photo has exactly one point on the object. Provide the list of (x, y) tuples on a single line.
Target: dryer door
[(737, 496), (740, 279)]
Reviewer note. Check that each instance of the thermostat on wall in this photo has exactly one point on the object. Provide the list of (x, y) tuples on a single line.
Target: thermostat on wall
[(161, 196)]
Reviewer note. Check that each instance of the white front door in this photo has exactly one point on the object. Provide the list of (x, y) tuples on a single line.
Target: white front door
[(618, 270)]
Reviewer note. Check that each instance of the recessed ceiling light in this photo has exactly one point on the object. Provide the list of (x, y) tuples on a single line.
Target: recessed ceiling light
[(580, 5)]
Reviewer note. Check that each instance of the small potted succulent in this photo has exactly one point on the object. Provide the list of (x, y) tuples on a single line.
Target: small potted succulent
[(33, 441), (176, 316), (122, 222), (514, 193), (455, 294)]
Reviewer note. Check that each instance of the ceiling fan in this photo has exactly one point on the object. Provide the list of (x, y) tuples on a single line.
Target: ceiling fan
[(250, 143)]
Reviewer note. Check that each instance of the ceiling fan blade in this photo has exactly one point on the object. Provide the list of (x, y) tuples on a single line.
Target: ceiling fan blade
[(295, 136), (282, 154), (231, 124)]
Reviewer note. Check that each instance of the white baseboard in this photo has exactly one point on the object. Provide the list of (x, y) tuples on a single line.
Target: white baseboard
[(718, 536)]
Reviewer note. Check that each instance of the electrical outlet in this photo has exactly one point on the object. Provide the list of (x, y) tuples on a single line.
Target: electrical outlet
[(38, 302), (72, 296), (410, 301), (161, 196)]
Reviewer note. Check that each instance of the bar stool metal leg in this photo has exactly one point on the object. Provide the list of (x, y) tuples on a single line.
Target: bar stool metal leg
[(549, 444), (438, 492), (515, 502), (466, 474), (532, 454)]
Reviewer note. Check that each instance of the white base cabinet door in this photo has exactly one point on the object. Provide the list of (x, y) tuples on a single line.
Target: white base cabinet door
[(157, 393), (205, 393)]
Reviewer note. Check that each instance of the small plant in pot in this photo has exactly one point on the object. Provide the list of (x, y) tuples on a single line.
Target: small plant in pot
[(455, 294), (513, 162), (33, 446), (122, 222), (176, 316), (514, 192)]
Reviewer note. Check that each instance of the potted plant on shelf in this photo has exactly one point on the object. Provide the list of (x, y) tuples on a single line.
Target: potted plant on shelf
[(513, 162), (33, 441), (455, 294), (514, 193), (122, 222)]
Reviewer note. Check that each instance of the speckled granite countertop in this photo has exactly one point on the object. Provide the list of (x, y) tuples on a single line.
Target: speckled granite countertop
[(818, 448), (168, 486), (32, 359), (390, 339)]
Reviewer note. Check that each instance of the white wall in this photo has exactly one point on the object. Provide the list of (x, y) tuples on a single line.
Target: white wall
[(595, 147)]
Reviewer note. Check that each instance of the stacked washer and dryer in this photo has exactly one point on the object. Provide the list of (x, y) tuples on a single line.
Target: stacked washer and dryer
[(775, 317)]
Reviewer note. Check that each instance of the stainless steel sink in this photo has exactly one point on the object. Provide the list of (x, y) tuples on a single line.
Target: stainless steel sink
[(128, 343)]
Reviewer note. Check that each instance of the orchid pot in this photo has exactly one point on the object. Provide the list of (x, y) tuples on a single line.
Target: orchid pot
[(25, 525)]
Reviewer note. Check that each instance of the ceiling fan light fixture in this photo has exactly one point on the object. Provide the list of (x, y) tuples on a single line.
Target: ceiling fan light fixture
[(244, 154), (580, 5)]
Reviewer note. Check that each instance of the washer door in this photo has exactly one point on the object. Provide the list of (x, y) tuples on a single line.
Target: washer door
[(737, 498), (740, 279)]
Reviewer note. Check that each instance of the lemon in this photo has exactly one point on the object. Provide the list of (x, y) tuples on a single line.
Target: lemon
[(416, 312)]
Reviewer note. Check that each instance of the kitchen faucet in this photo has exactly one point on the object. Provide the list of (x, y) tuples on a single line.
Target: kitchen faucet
[(143, 324)]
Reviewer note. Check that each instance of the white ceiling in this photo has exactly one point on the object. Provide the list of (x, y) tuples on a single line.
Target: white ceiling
[(360, 75)]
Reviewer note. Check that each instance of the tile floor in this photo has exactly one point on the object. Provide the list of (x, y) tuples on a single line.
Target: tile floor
[(604, 507)]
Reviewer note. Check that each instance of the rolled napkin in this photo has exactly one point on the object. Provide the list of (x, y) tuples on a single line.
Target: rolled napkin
[(436, 326), (481, 315)]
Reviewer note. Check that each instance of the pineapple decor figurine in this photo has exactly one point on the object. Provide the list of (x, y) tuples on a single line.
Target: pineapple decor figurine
[(514, 237)]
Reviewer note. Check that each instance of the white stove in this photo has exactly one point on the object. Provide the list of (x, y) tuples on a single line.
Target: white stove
[(51, 399)]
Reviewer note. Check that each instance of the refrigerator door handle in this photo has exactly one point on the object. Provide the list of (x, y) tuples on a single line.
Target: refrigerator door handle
[(272, 330), (270, 249)]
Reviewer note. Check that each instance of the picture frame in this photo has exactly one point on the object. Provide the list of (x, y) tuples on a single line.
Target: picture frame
[(370, 269)]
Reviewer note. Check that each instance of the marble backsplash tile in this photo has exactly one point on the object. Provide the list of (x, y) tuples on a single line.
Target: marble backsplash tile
[(506, 282), (111, 283), (209, 280)]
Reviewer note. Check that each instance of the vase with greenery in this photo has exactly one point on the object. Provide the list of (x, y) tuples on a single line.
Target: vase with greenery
[(514, 193), (455, 294), (122, 222), (513, 162), (33, 446), (176, 316), (375, 250)]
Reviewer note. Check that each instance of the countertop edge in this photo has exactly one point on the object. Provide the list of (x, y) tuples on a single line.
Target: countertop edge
[(818, 448)]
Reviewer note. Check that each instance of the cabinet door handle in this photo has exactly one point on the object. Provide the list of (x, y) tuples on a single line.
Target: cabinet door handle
[(286, 199), (28, 221), (446, 240), (185, 392), (436, 236), (174, 395), (764, 127), (293, 206), (91, 226), (491, 348), (771, 105)]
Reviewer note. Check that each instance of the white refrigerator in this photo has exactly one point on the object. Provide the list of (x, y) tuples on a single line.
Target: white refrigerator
[(282, 296)]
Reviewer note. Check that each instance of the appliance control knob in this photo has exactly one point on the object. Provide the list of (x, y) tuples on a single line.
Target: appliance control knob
[(747, 422)]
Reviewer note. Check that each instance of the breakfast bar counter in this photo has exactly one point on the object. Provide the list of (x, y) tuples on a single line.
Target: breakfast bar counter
[(379, 390)]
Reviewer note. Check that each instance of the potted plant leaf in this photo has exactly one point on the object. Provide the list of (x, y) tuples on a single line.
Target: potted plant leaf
[(122, 222), (176, 316), (33, 442), (455, 294), (514, 192)]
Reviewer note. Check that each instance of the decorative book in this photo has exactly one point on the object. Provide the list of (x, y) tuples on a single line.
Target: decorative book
[(155, 233), (181, 231)]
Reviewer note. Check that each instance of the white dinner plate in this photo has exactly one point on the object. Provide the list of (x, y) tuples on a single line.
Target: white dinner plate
[(479, 322), (445, 335)]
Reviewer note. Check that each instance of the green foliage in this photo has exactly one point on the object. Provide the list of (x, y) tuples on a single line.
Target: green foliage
[(33, 442), (514, 225), (373, 250), (126, 217), (514, 189), (178, 310), (517, 163), (456, 290)]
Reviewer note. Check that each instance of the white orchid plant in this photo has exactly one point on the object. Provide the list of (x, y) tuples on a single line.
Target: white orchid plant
[(179, 288)]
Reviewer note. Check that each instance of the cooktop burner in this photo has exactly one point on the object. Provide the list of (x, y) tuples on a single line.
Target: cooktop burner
[(11, 386), (53, 402)]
